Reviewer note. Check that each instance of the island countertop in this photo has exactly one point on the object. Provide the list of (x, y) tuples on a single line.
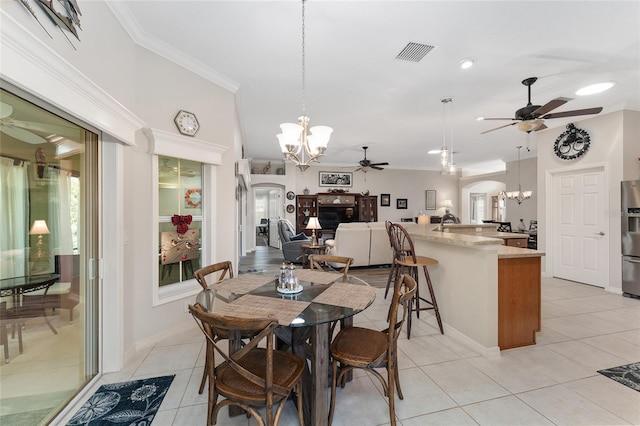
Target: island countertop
[(425, 232), (509, 252), (488, 293), (484, 240)]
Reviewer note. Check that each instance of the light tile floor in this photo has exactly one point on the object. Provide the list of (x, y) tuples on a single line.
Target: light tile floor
[(555, 382)]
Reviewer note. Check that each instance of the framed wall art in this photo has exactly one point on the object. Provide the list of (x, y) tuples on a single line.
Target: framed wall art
[(431, 199), (401, 203), (385, 200), (336, 179)]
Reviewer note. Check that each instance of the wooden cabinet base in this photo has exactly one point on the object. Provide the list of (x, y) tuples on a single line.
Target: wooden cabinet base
[(519, 281)]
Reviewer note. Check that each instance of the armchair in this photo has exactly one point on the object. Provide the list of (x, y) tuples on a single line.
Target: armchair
[(291, 248)]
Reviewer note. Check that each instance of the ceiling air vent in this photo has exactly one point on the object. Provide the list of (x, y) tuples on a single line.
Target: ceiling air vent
[(414, 52)]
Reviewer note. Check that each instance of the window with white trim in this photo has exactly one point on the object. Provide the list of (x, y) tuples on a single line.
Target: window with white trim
[(179, 219)]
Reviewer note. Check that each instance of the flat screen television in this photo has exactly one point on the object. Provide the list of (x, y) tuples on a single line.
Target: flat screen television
[(331, 217)]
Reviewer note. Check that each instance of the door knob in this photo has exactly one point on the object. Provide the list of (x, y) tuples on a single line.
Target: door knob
[(600, 233)]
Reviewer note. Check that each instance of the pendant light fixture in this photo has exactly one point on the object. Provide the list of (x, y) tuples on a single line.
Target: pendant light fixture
[(519, 196), (296, 143), (446, 154)]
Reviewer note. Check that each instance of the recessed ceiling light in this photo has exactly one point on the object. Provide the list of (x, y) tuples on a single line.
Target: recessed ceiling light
[(466, 63), (595, 88), (434, 151)]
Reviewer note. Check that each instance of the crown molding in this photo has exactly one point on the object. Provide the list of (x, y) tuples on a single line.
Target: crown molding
[(33, 66), (173, 145), (139, 36)]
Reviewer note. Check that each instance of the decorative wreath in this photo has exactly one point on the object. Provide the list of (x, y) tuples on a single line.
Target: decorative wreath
[(193, 198)]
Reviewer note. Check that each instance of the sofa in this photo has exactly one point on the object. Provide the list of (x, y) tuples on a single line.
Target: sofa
[(290, 242), (366, 242)]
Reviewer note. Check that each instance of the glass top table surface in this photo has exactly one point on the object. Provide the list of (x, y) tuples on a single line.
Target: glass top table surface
[(27, 282), (325, 297)]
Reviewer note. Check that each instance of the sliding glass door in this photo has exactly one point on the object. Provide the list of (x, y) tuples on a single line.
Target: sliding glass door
[(48, 245)]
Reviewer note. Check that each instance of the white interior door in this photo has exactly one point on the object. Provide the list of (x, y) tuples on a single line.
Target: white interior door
[(580, 241)]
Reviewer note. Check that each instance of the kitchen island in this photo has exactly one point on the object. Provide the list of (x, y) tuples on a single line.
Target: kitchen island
[(488, 293)]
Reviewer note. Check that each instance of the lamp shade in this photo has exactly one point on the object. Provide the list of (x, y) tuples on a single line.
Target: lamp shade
[(39, 228), (313, 223), (447, 204)]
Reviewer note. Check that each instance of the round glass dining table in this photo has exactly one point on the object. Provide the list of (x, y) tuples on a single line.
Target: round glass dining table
[(326, 297)]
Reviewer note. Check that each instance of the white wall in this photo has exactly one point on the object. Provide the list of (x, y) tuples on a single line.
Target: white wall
[(631, 153), (153, 90), (614, 138)]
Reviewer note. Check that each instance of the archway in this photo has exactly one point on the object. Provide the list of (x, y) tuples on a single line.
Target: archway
[(487, 191)]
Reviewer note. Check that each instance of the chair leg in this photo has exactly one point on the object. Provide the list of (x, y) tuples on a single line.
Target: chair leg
[(393, 274), (300, 403), (391, 375), (434, 303), (205, 372), (334, 381), (414, 300), (4, 340), (19, 338)]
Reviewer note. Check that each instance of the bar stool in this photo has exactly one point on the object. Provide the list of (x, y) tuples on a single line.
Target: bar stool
[(405, 258)]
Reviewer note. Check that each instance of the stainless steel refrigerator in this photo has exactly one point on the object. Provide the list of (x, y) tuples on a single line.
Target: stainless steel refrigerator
[(630, 195)]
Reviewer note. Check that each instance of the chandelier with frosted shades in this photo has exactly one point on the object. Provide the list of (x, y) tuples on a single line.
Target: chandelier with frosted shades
[(519, 196), (298, 142)]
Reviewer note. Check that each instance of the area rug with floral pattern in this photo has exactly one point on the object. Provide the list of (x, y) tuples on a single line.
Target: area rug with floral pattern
[(128, 403), (628, 375)]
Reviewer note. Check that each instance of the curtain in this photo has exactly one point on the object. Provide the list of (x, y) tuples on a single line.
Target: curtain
[(477, 207), (59, 220), (14, 216)]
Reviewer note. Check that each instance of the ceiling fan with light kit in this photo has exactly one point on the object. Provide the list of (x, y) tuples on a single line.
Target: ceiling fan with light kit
[(530, 118), (27, 131), (366, 165)]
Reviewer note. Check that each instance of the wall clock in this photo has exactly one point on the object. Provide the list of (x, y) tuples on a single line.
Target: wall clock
[(187, 123), (290, 195), (572, 143), (290, 208)]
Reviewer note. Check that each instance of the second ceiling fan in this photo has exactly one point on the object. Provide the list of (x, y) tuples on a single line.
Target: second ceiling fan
[(366, 165), (530, 118)]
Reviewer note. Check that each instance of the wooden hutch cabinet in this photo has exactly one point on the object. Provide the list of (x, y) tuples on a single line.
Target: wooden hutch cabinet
[(367, 208), (306, 207), (332, 208)]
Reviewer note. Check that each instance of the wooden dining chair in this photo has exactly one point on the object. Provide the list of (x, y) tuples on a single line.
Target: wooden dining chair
[(363, 348), (325, 262), (330, 263), (504, 227), (223, 267), (393, 272), (226, 270), (406, 259), (253, 376)]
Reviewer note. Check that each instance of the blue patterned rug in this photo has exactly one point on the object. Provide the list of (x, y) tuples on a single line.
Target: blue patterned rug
[(628, 375), (126, 403)]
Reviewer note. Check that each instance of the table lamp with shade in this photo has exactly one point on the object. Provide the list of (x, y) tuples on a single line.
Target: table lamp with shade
[(447, 205), (313, 224), (39, 228)]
